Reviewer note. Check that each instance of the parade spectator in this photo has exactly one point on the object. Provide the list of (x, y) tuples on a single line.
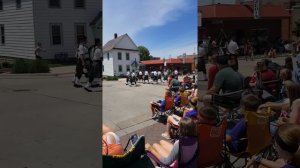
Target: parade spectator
[(193, 91), (272, 53), (212, 72), (249, 104), (283, 108), (170, 78), (263, 74), (174, 84), (111, 143), (288, 63), (294, 116), (201, 62), (166, 152), (233, 49), (248, 50), (38, 51), (161, 104), (296, 72), (174, 119), (226, 80), (176, 73), (286, 76), (286, 144)]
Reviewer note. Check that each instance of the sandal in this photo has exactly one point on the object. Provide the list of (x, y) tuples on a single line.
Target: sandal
[(165, 135)]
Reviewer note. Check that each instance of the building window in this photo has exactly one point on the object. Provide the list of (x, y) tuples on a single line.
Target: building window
[(119, 56), (79, 3), (18, 4), (2, 35), (54, 3), (1, 4), (56, 34), (107, 56), (128, 67), (80, 31), (127, 56), (120, 68)]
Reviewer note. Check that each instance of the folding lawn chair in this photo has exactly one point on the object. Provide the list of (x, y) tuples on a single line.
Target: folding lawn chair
[(258, 126), (133, 158)]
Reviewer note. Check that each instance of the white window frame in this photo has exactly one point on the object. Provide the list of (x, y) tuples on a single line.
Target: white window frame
[(2, 34), (59, 5), (119, 68), (120, 58), (18, 4), (75, 30), (79, 7), (1, 6), (61, 34)]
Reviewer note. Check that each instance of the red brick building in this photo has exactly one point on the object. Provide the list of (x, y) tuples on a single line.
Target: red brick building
[(237, 20)]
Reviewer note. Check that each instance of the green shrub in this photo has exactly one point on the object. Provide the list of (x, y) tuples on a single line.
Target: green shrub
[(20, 66), (112, 78), (30, 66)]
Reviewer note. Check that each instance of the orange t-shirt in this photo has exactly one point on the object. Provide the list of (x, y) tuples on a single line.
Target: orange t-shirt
[(111, 149)]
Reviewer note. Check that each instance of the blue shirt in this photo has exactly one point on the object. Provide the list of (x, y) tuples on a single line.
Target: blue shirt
[(162, 105), (236, 133), (177, 100), (191, 114)]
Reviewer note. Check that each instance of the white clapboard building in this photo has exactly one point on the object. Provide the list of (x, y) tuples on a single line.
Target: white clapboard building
[(119, 55), (56, 24)]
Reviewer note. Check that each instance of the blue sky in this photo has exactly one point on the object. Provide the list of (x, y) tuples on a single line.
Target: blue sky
[(166, 27)]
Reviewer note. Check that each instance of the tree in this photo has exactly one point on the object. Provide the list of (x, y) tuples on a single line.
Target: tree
[(144, 53), (296, 30)]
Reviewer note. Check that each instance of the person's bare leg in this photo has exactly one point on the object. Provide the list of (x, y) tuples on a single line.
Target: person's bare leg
[(170, 120), (166, 145), (152, 108), (161, 151)]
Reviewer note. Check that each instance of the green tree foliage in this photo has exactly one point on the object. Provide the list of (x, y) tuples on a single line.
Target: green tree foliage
[(144, 53), (296, 30)]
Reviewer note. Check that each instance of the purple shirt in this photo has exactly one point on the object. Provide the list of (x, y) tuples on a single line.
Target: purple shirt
[(191, 114), (236, 133), (177, 100)]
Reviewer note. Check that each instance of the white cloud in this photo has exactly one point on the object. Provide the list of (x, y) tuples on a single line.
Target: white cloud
[(132, 16)]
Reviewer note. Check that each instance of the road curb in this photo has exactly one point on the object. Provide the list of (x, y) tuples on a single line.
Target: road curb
[(29, 75)]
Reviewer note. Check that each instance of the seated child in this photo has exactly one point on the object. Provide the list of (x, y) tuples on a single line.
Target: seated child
[(249, 104), (161, 105)]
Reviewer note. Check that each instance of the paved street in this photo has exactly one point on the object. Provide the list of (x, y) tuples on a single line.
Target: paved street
[(45, 122)]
